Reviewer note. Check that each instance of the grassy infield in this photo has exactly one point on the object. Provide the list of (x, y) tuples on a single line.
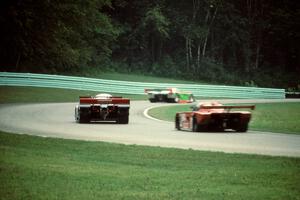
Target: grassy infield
[(46, 168)]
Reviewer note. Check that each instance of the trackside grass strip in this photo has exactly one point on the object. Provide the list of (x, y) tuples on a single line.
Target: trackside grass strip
[(45, 168), (275, 117), (11, 94)]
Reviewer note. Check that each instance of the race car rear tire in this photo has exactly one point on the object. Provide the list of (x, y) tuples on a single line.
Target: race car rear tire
[(81, 116), (196, 127), (177, 126), (84, 119), (176, 99), (192, 98), (123, 119), (242, 128), (152, 100)]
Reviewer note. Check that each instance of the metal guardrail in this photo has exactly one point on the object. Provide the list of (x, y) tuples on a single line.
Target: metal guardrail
[(128, 87)]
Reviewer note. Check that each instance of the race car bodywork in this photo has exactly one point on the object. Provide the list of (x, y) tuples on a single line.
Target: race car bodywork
[(172, 95), (214, 117), (102, 107)]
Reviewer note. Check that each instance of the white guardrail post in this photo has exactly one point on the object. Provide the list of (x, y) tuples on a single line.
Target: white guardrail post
[(128, 87)]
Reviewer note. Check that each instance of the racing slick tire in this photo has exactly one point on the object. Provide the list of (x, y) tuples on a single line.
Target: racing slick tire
[(152, 100), (242, 128), (192, 98), (84, 118), (81, 117), (177, 126), (196, 127), (123, 116), (123, 119), (176, 99)]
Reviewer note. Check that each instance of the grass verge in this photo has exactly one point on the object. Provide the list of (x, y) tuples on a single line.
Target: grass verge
[(11, 94), (275, 117), (46, 168)]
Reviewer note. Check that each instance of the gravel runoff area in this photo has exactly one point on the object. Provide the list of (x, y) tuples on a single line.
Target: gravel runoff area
[(57, 120)]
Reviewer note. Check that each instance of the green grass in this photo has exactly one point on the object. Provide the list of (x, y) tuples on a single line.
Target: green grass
[(46, 168), (10, 94), (275, 117)]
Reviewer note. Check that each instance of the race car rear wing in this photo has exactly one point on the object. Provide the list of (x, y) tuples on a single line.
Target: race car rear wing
[(113, 100), (157, 90), (92, 96), (252, 107)]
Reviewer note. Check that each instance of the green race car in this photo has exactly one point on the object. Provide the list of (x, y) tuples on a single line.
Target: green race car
[(172, 95)]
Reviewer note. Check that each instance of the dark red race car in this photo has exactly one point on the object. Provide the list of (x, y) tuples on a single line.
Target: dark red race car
[(102, 107)]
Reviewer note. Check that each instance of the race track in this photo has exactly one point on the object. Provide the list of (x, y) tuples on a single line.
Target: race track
[(57, 120)]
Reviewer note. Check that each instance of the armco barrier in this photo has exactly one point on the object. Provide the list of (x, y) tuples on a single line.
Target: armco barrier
[(127, 87)]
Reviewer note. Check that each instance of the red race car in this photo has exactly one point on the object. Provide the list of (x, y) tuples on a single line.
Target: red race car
[(214, 116), (102, 107)]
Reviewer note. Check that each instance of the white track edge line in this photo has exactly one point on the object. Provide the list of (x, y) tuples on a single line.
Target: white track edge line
[(152, 118)]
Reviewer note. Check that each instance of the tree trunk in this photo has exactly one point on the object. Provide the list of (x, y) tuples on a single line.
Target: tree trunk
[(187, 53), (152, 50), (160, 47), (204, 45), (18, 61), (190, 52), (208, 30), (198, 55), (257, 56)]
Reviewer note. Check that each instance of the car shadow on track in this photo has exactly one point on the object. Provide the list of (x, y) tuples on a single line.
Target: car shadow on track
[(227, 131)]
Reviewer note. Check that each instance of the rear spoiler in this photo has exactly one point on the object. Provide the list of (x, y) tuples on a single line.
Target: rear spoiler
[(104, 101), (85, 96), (116, 97), (158, 90), (152, 89), (252, 107)]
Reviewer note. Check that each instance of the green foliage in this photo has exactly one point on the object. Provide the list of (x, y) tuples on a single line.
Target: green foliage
[(227, 42), (156, 23), (58, 35), (48, 168)]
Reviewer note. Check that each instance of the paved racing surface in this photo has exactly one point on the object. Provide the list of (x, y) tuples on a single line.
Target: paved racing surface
[(57, 120)]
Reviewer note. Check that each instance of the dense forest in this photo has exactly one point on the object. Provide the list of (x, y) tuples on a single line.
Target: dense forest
[(241, 42)]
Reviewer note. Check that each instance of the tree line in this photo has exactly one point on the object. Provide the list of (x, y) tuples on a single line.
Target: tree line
[(242, 42)]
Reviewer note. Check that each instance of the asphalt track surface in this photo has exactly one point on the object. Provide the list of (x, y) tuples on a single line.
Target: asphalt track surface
[(57, 120)]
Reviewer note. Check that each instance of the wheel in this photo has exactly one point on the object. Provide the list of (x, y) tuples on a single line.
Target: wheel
[(192, 99), (81, 116), (177, 126), (170, 100), (152, 100), (176, 99), (123, 119), (242, 128), (76, 114), (84, 118), (195, 125)]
